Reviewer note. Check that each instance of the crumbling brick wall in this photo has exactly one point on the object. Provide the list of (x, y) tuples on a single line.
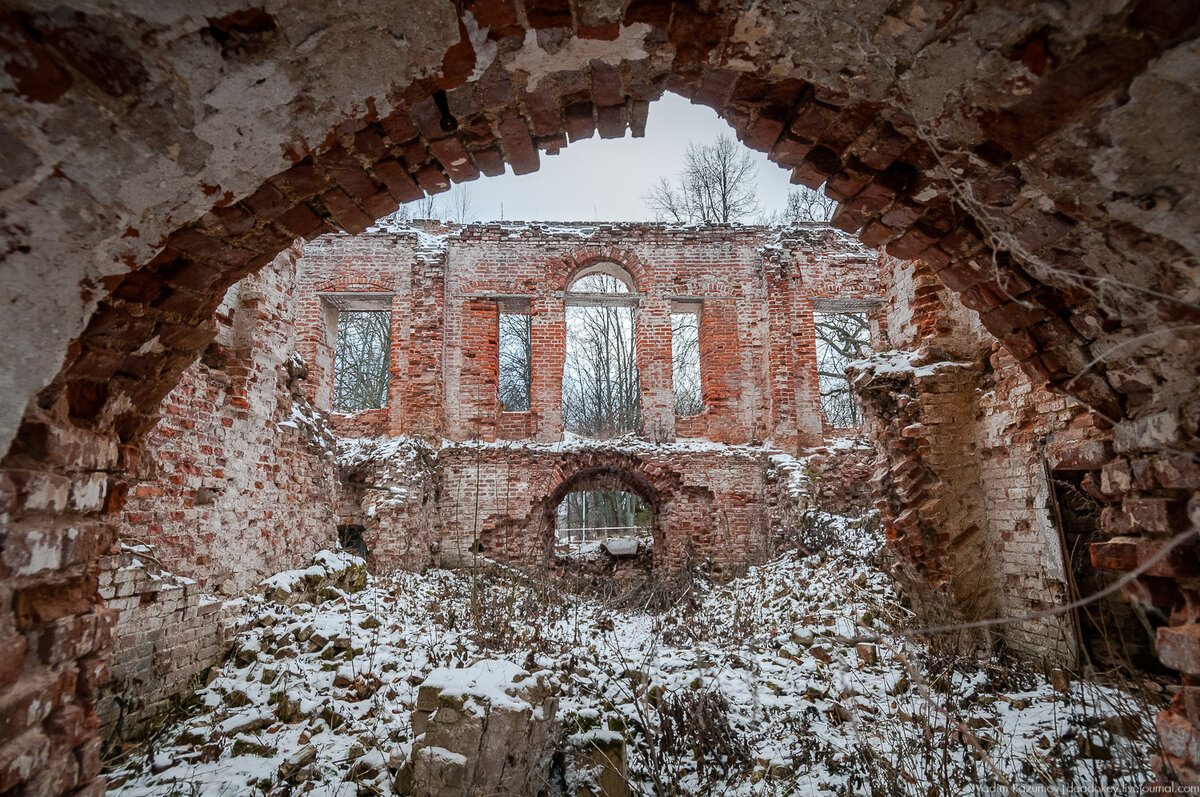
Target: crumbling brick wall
[(445, 286), (708, 510), (237, 480), (1095, 236), (964, 490), (168, 634)]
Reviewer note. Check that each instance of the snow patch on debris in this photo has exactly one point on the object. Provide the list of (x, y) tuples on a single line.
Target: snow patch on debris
[(911, 364), (801, 657)]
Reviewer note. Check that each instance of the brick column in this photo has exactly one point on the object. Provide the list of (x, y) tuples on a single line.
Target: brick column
[(549, 334), (426, 326), (653, 340), (809, 427), (397, 408)]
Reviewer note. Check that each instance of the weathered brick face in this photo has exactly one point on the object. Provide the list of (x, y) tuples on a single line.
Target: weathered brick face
[(754, 290), (964, 488), (494, 490), (238, 478), (1058, 204)]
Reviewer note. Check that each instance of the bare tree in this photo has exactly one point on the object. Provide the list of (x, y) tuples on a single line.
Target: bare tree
[(461, 204), (516, 361), (806, 205), (427, 207), (362, 360), (841, 338), (718, 185), (685, 363)]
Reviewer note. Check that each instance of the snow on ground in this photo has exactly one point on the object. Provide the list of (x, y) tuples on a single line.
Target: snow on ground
[(765, 676)]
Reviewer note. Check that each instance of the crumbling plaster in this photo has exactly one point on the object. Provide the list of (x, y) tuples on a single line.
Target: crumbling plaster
[(196, 117), (93, 181)]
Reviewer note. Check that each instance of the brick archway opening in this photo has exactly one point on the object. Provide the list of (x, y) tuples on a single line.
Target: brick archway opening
[(605, 477), (1028, 267)]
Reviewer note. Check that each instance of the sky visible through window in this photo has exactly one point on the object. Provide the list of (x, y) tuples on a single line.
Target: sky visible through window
[(606, 179)]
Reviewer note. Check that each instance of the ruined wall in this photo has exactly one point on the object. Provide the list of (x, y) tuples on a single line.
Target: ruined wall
[(169, 632), (707, 500), (965, 490), (445, 286), (400, 272), (237, 480), (392, 493), (1062, 167)]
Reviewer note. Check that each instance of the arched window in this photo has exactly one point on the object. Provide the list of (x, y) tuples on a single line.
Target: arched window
[(602, 278), (601, 390)]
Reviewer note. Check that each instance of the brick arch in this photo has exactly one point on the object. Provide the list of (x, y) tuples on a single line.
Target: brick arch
[(661, 488), (354, 284), (563, 270), (852, 132), (869, 153)]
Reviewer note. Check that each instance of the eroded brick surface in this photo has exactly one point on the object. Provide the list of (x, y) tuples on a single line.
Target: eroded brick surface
[(1059, 205)]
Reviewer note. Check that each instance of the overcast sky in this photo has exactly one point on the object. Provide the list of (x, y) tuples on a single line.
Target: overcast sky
[(605, 179)]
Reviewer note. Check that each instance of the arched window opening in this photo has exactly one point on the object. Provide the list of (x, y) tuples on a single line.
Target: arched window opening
[(602, 278), (601, 390), (615, 520)]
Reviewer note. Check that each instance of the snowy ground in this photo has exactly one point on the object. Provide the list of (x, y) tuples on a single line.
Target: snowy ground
[(763, 676)]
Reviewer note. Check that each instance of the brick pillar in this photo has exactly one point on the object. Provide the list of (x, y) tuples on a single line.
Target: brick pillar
[(795, 396), (653, 338), (316, 327), (809, 427), (397, 409), (549, 333), (426, 327), (55, 633), (479, 376)]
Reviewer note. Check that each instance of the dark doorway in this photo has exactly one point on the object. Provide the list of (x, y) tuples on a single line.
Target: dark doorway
[(1115, 634)]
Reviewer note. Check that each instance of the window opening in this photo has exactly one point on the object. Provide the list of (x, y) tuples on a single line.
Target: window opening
[(593, 518), (516, 359), (350, 538), (362, 370), (685, 361), (601, 389), (841, 338)]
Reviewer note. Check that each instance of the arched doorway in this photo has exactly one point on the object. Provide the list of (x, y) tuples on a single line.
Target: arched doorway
[(647, 509)]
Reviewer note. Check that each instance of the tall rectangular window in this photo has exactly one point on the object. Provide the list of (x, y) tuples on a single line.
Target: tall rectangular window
[(516, 359), (362, 360), (685, 360), (841, 338)]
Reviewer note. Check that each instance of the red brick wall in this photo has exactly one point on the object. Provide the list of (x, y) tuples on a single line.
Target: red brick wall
[(964, 491), (708, 509), (232, 487), (758, 358)]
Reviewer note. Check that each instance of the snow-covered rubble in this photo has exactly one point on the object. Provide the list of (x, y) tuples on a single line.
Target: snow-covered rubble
[(790, 680)]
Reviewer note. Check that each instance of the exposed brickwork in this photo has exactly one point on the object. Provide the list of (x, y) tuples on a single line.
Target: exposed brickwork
[(1081, 235), (444, 349), (965, 492), (708, 511), (237, 478), (168, 633)]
